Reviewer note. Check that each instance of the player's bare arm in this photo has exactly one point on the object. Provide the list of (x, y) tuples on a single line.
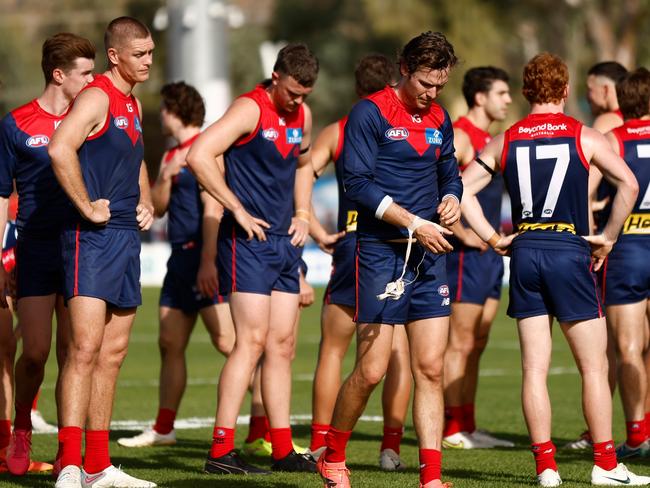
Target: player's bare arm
[(162, 187), (206, 278), (606, 122), (475, 178), (598, 149), (144, 210), (238, 121), (87, 117), (299, 229)]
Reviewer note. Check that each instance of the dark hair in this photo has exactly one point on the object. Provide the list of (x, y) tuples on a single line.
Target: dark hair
[(297, 61), (609, 69), (62, 50), (373, 72), (122, 30), (479, 80), (633, 93), (185, 102), (546, 78), (429, 50)]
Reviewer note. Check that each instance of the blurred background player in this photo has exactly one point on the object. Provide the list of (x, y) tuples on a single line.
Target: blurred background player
[(97, 156), (190, 285), (474, 270), (626, 273), (545, 159), (399, 168), (373, 73), (67, 63), (265, 138)]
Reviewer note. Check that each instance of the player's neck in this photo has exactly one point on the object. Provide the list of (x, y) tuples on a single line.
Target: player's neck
[(547, 108), (478, 117), (53, 100), (123, 85), (183, 133)]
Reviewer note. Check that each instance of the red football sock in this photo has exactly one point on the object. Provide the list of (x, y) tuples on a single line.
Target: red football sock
[(336, 441), (392, 438), (35, 402), (636, 433), (23, 420), (453, 420), (318, 432), (281, 442), (165, 421), (430, 465), (267, 436), (605, 455), (469, 419), (257, 428), (70, 439), (223, 441), (97, 458), (544, 454), (647, 420), (5, 433)]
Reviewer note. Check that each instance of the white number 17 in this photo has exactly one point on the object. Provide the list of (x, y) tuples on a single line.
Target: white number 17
[(561, 154)]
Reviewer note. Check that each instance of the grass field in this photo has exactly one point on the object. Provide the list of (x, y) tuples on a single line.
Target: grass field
[(180, 466)]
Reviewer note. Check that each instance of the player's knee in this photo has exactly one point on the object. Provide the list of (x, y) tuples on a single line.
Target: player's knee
[(629, 349), (35, 356), (429, 370), (368, 375), (283, 347), (84, 355), (224, 343), (169, 346)]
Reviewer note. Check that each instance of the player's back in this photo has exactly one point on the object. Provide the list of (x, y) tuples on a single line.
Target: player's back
[(111, 159), (546, 175)]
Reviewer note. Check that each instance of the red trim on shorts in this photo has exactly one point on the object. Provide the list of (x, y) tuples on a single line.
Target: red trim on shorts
[(234, 261), (459, 286), (220, 298), (75, 291), (600, 308), (603, 284), (356, 284)]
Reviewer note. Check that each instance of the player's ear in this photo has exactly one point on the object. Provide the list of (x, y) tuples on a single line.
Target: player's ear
[(567, 90), (480, 98), (403, 70), (111, 54), (58, 75), (275, 77)]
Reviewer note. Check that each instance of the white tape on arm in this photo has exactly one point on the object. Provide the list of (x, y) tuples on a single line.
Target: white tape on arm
[(383, 206)]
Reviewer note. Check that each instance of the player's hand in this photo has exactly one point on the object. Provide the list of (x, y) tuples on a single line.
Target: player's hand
[(470, 239), (326, 242), (206, 278), (449, 211), (600, 248), (98, 212), (144, 216), (432, 238), (4, 287), (502, 246), (299, 231), (306, 293), (253, 226), (175, 165)]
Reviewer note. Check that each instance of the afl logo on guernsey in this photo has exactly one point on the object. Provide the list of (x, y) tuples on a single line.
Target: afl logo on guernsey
[(121, 122), (397, 133), (433, 136), (270, 134), (37, 141), (294, 136)]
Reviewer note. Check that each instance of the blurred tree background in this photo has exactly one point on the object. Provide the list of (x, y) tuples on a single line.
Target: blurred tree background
[(505, 33)]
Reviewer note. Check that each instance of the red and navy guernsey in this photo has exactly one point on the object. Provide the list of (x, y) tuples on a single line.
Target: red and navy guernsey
[(391, 150), (24, 136), (347, 215), (261, 167), (111, 158)]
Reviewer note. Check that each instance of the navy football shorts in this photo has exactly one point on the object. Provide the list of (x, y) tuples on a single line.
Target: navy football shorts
[(474, 276), (626, 273), (179, 288), (257, 266), (379, 263), (39, 267), (341, 289), (102, 263), (553, 281)]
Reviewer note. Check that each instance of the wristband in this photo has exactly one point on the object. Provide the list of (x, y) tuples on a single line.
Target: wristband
[(303, 212), (492, 241)]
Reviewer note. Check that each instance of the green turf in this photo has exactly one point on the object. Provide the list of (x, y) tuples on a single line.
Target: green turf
[(181, 466)]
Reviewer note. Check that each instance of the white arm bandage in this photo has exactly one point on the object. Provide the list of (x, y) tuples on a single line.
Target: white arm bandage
[(383, 206)]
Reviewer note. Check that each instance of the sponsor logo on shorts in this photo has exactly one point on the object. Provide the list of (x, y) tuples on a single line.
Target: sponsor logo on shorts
[(433, 136), (37, 141), (294, 136), (445, 302), (121, 122), (443, 290), (397, 133), (270, 134)]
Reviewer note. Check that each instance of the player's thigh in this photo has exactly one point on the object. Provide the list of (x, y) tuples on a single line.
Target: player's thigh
[(464, 320), (218, 320), (427, 340), (284, 310), (175, 328), (588, 342), (7, 338), (628, 325), (35, 315), (337, 328), (374, 344), (251, 314), (118, 330), (535, 342)]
